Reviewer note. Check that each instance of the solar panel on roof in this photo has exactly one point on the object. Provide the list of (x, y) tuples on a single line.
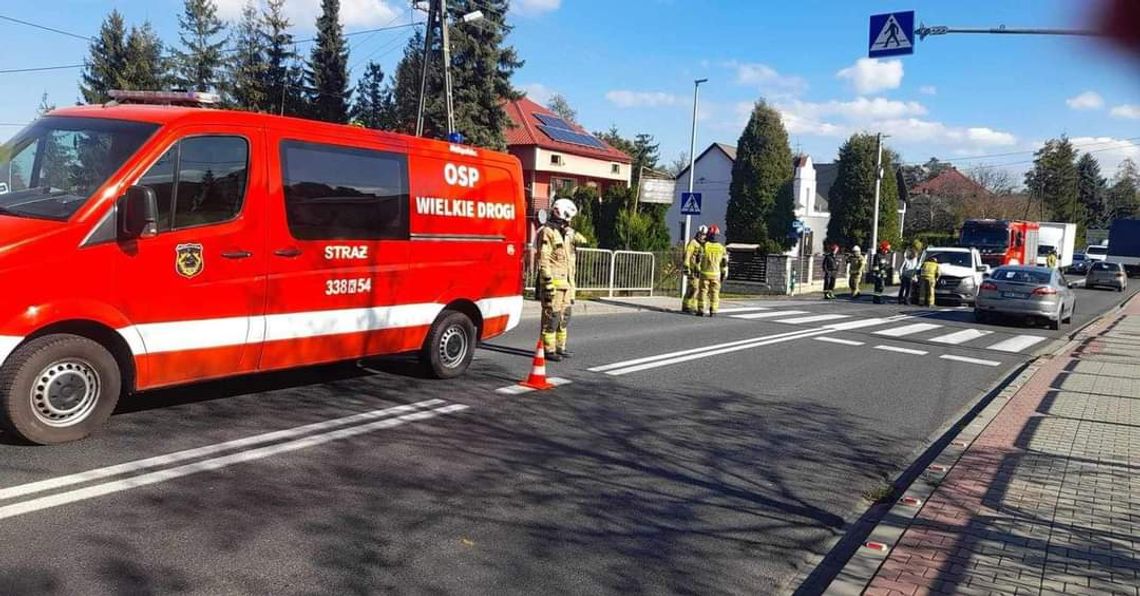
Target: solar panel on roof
[(553, 121), (574, 138)]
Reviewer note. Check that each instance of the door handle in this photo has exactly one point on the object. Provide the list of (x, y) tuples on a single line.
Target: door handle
[(288, 252), (237, 254)]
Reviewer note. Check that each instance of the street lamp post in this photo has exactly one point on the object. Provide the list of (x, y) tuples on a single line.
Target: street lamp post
[(692, 173), (878, 186), (438, 9)]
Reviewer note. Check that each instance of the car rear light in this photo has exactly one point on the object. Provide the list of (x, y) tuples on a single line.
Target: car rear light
[(1044, 291), (989, 286)]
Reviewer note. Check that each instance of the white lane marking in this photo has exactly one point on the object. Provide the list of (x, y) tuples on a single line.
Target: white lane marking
[(813, 319), (769, 315), (179, 456), (848, 326), (518, 389), (1017, 344), (626, 363), (970, 360), (908, 330), (960, 337), (114, 486), (899, 350), (725, 311), (679, 360), (836, 340)]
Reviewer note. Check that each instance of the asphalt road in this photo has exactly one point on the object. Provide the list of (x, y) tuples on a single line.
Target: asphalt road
[(701, 456)]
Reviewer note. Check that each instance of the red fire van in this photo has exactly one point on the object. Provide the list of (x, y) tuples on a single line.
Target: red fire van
[(145, 246)]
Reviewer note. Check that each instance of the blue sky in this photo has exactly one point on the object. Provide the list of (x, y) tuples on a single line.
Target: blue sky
[(982, 100)]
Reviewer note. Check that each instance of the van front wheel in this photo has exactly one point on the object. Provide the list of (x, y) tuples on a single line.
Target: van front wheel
[(58, 388), (450, 345)]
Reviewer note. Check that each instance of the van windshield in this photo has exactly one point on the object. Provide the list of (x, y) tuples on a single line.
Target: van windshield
[(955, 259), (50, 169)]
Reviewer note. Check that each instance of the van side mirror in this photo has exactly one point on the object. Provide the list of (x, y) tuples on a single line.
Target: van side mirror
[(983, 268), (138, 214)]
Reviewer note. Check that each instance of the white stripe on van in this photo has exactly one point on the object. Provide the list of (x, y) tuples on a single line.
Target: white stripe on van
[(178, 336), (8, 344)]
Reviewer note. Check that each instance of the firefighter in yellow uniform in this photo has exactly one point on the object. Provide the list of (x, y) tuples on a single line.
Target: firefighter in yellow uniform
[(858, 266), (929, 279), (1051, 259), (692, 269), (714, 269), (556, 264)]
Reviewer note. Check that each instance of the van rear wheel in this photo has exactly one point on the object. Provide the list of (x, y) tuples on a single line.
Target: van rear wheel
[(450, 345), (58, 388)]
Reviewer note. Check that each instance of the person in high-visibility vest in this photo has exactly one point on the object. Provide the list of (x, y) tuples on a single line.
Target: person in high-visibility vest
[(691, 267), (714, 270), (929, 279), (858, 265), (556, 265), (1051, 259)]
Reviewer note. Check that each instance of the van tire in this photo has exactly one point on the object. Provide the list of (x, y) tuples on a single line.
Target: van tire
[(450, 345), (69, 364)]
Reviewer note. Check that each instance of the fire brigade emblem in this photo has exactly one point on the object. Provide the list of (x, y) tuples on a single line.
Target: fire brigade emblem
[(188, 260)]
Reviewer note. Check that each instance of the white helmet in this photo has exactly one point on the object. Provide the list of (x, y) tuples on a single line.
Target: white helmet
[(856, 250), (564, 209), (703, 231)]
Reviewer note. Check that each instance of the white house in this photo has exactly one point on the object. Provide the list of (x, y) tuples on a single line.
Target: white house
[(811, 185), (714, 174)]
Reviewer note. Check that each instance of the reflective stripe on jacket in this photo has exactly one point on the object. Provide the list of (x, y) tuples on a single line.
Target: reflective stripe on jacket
[(714, 260)]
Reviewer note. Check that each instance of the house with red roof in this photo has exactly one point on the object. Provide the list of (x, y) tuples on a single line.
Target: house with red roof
[(559, 156)]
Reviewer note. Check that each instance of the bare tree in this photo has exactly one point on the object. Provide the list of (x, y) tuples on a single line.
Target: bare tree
[(996, 181), (679, 164), (559, 105)]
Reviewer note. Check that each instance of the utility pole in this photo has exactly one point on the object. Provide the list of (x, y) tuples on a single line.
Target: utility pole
[(428, 36), (446, 39), (878, 186), (692, 174)]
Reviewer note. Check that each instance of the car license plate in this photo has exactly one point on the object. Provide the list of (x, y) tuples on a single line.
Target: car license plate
[(1014, 295)]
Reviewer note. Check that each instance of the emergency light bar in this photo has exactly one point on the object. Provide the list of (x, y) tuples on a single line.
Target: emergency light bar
[(164, 97)]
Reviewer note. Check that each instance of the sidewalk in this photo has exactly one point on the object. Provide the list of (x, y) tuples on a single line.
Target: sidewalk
[(1046, 499)]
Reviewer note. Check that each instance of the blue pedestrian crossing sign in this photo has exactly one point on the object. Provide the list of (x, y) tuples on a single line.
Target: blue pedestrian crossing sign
[(891, 34), (690, 203)]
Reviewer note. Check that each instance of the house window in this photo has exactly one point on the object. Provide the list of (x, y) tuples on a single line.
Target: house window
[(615, 168), (562, 187), (556, 159)]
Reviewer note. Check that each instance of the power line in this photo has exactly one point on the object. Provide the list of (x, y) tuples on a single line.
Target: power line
[(1125, 142), (40, 68), (46, 28)]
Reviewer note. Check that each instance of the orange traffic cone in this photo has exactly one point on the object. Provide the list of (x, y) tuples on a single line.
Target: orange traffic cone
[(537, 379)]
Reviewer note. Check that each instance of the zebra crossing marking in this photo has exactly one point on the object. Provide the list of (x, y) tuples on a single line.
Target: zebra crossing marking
[(960, 337), (769, 315), (1016, 344), (906, 330), (813, 319)]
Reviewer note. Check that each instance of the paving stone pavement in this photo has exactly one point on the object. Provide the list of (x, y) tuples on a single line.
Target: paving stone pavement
[(1047, 499)]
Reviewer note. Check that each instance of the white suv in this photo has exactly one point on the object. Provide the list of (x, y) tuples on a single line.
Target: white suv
[(961, 272)]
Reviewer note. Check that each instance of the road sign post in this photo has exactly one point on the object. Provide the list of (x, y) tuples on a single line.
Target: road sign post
[(891, 34)]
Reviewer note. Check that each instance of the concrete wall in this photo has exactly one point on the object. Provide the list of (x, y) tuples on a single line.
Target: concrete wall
[(714, 174)]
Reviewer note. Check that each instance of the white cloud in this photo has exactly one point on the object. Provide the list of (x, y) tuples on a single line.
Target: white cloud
[(990, 137), (858, 109), (767, 79), (869, 75), (1089, 100), (303, 13), (643, 99), (1109, 151), (928, 90), (538, 93), (1129, 111), (535, 7)]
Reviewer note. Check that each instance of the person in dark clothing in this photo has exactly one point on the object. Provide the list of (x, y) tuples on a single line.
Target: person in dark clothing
[(830, 272)]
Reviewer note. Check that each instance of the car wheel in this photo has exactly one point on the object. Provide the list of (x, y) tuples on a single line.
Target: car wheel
[(450, 345), (58, 388)]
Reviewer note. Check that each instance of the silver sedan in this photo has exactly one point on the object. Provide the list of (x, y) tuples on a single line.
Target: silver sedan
[(1028, 293)]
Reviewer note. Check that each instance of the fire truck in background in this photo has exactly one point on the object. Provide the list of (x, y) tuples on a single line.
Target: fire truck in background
[(1002, 242)]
